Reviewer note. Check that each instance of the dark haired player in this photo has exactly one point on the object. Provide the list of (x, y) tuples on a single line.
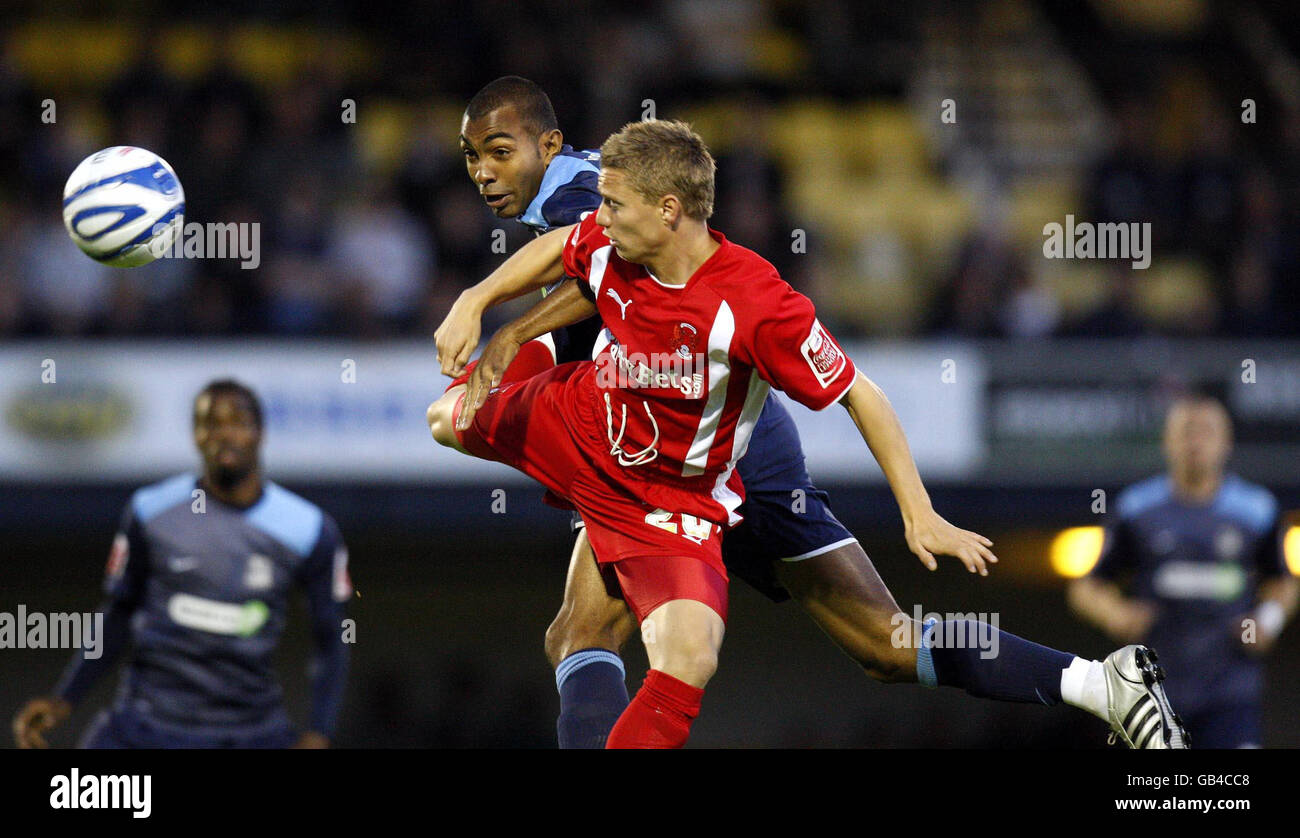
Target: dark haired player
[(517, 157), (837, 584), (199, 579), (1194, 564)]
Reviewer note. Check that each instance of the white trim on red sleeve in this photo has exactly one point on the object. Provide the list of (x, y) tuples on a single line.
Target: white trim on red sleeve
[(599, 262), (853, 379)]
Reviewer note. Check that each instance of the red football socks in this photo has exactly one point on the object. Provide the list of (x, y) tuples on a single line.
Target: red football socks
[(659, 716), (534, 357)]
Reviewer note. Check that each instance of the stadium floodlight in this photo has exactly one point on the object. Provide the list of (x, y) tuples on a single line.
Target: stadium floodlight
[(1075, 551)]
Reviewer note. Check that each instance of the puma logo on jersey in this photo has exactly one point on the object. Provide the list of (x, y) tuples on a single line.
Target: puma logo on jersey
[(622, 306)]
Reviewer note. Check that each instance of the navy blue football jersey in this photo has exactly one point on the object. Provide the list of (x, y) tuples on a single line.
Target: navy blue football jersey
[(1200, 567), (568, 192), (202, 589)]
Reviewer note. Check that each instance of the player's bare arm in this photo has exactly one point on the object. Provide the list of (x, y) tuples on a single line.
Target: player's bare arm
[(535, 265), (567, 305), (1103, 603), (1276, 605), (926, 531)]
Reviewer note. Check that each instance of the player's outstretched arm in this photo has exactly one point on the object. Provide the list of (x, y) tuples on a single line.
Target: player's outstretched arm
[(325, 580), (1276, 605), (1103, 603), (44, 713), (535, 265), (566, 305), (926, 531)]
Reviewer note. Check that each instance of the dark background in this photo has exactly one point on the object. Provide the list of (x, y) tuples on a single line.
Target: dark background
[(452, 609)]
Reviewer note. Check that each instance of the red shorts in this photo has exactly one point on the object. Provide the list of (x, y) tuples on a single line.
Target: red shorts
[(546, 428)]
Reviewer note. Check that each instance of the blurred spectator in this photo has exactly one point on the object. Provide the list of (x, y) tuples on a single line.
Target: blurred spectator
[(1029, 310), (1118, 316), (64, 291), (256, 136), (386, 258), (991, 293)]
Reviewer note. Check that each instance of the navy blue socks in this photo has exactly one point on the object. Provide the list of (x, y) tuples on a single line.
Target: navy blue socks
[(988, 662), (593, 694)]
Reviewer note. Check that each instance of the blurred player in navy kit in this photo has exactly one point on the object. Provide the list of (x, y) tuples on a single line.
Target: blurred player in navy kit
[(201, 583), (1200, 553)]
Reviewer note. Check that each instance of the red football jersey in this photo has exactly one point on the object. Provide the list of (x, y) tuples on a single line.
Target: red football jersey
[(682, 371)]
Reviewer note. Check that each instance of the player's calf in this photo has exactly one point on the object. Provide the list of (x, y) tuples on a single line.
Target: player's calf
[(589, 618), (682, 639), (582, 645), (573, 630), (848, 600)]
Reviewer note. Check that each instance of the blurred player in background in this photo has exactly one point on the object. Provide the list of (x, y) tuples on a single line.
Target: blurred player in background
[(1194, 566), (199, 578), (656, 530)]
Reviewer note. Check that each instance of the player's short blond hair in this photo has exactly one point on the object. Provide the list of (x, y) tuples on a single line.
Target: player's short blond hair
[(664, 157)]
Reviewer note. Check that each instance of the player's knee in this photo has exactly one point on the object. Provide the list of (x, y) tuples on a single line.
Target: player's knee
[(692, 662), (695, 667), (439, 418)]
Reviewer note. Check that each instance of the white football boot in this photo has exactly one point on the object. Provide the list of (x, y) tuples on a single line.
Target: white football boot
[(1140, 714)]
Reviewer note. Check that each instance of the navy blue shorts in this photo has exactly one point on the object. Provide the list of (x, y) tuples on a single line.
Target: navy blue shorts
[(782, 526), (123, 729), (787, 518)]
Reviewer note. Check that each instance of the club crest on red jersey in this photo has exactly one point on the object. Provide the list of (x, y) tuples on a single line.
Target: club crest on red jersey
[(821, 353), (685, 337)]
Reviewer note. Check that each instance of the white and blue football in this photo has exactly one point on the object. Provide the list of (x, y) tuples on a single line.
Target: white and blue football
[(123, 206)]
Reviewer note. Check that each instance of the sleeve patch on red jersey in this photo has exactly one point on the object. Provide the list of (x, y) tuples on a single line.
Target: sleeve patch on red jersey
[(117, 556), (821, 353)]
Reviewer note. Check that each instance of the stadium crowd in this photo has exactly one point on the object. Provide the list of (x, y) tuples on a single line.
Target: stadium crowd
[(369, 227)]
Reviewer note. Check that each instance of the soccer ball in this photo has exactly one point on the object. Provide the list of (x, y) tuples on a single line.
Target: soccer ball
[(123, 206)]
